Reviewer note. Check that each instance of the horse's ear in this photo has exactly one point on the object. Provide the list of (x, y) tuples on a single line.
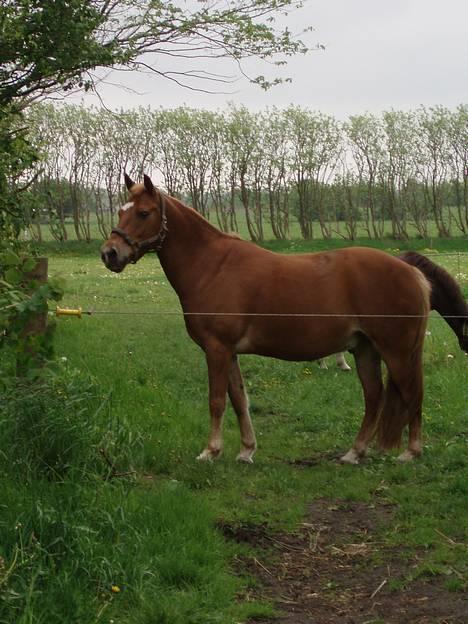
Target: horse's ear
[(128, 181), (149, 186)]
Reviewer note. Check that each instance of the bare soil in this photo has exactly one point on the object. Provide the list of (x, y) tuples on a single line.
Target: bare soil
[(335, 569)]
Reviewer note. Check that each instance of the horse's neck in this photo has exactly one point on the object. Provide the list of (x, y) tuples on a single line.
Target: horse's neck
[(189, 242)]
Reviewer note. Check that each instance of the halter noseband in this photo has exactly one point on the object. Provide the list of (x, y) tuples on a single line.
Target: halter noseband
[(155, 242)]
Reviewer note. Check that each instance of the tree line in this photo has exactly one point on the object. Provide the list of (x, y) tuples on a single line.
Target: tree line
[(384, 175)]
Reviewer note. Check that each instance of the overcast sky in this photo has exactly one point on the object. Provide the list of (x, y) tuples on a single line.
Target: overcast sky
[(378, 55)]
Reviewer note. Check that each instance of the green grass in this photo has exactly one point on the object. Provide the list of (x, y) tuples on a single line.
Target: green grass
[(131, 382)]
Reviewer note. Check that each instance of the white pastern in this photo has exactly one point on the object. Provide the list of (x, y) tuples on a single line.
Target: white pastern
[(341, 362), (351, 457), (406, 457), (246, 456), (243, 345), (208, 455)]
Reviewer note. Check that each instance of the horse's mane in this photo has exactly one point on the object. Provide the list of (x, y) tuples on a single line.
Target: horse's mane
[(233, 235), (443, 284)]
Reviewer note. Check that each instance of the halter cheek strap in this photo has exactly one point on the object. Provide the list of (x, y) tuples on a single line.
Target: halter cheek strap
[(154, 243)]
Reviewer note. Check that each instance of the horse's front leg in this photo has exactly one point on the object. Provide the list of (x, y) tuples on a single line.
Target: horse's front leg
[(218, 359)]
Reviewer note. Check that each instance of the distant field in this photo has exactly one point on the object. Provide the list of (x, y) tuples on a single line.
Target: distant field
[(339, 230), (160, 545)]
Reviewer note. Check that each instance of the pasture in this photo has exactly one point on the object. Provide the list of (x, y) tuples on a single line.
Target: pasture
[(129, 528)]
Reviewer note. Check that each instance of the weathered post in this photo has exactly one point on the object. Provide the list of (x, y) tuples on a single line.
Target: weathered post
[(37, 325)]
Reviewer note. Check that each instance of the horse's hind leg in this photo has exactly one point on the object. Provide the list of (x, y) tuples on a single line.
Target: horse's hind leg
[(405, 387), (368, 365), (341, 362), (240, 403), (415, 418)]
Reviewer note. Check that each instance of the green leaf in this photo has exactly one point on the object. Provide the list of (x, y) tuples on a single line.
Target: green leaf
[(28, 265), (9, 258), (13, 276)]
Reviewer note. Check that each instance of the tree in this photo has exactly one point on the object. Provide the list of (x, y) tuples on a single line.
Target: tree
[(275, 153), (195, 140), (458, 160), (50, 45), (247, 165), (16, 156), (398, 168), (433, 161), (366, 139), (316, 146)]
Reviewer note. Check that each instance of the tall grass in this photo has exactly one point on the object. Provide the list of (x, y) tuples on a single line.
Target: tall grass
[(74, 551), (80, 538)]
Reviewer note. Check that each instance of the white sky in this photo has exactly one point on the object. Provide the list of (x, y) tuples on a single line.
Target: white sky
[(380, 54)]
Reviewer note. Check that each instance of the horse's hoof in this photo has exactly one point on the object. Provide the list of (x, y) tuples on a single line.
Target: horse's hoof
[(406, 457), (351, 457), (345, 368), (208, 455), (245, 457)]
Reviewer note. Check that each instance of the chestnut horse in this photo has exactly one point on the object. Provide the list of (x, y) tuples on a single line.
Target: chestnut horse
[(239, 298)]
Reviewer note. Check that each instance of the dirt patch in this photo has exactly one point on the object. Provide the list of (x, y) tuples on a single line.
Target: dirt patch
[(314, 460), (334, 569)]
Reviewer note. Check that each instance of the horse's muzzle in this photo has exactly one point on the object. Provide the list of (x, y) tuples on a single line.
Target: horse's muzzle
[(112, 259)]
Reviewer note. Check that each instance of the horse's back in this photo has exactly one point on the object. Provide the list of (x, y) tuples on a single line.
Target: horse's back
[(360, 274)]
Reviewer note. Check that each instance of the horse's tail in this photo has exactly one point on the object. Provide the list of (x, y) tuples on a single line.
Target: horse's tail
[(393, 417), (446, 295), (401, 404)]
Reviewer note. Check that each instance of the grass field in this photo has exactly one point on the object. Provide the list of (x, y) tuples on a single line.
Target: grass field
[(337, 227), (105, 516)]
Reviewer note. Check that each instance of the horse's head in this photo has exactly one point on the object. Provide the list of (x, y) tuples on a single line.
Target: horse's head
[(142, 226)]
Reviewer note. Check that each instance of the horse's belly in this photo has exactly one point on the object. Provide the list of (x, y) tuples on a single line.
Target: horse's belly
[(295, 343)]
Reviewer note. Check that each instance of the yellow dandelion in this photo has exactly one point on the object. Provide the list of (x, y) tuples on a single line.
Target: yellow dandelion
[(115, 589)]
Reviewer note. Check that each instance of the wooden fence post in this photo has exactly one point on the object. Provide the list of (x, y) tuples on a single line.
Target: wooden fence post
[(37, 325)]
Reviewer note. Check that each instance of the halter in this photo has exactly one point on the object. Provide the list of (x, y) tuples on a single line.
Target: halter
[(155, 242)]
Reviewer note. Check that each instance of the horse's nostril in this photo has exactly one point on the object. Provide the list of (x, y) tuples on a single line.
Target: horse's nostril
[(109, 255)]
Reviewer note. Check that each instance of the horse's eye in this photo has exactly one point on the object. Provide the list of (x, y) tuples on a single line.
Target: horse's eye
[(143, 213)]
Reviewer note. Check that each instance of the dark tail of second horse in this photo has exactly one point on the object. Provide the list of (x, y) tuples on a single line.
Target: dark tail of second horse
[(446, 295)]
